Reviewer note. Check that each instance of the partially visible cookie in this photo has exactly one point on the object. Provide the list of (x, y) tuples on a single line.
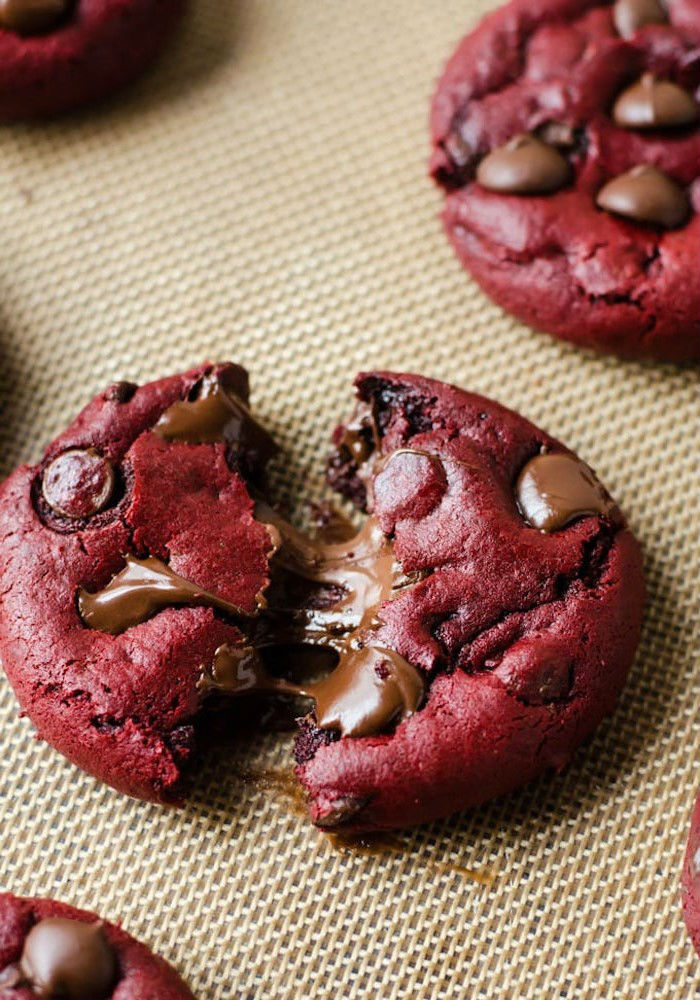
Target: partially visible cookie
[(516, 594), (565, 136), (57, 55), (51, 950), (690, 879)]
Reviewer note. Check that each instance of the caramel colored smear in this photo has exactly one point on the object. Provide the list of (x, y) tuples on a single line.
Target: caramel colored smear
[(553, 490), (277, 781), (137, 592), (383, 844)]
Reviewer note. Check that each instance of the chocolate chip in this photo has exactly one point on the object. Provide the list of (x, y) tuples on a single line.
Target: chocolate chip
[(652, 103), (553, 490), (69, 959), (630, 15), (557, 134), (645, 194), (525, 165), (32, 17), (120, 392), (79, 483)]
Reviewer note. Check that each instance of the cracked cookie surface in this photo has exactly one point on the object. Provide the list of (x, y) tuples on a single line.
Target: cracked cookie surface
[(50, 949), (58, 55), (469, 636), (524, 636), (560, 70)]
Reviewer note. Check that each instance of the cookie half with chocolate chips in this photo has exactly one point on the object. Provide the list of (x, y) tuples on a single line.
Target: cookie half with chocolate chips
[(565, 137), (58, 55), (516, 595), (51, 950), (130, 554), (690, 879)]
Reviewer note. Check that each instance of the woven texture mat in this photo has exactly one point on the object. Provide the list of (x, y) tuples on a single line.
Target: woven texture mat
[(262, 196)]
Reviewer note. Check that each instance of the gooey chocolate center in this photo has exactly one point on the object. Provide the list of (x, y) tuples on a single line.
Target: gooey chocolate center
[(345, 583)]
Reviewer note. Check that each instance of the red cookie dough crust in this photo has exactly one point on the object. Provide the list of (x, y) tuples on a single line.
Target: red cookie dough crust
[(101, 47), (525, 638), (141, 973), (556, 261), (691, 879)]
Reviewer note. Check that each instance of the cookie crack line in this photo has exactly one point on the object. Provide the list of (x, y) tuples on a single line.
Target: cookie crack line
[(164, 604)]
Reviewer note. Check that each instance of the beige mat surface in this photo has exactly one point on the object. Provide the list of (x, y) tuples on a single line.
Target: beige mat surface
[(262, 196)]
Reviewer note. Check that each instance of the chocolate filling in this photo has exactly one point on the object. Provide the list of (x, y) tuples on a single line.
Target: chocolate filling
[(326, 594)]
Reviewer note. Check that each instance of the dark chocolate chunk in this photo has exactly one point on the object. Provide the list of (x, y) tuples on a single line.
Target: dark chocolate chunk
[(79, 483), (646, 194), (553, 490), (32, 17), (68, 960), (630, 15), (652, 103), (524, 165)]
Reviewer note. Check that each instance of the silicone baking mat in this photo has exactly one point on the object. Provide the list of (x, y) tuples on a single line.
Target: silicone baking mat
[(262, 195)]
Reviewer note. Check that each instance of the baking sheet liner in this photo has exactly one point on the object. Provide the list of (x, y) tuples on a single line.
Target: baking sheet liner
[(262, 195)]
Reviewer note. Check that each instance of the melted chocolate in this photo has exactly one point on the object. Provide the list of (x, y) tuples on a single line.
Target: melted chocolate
[(360, 436), (67, 959), (652, 103), (79, 483), (216, 414), (138, 591), (630, 15), (370, 688), (524, 165), (645, 194), (554, 490), (32, 17)]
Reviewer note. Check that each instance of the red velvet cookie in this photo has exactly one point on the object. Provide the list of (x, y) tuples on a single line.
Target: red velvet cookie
[(691, 879), (57, 55), (471, 635), (517, 594), (565, 135), (130, 554), (51, 950)]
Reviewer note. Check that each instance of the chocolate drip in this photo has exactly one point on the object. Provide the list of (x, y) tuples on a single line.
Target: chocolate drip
[(32, 17), (553, 490), (66, 959), (370, 689), (137, 592)]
